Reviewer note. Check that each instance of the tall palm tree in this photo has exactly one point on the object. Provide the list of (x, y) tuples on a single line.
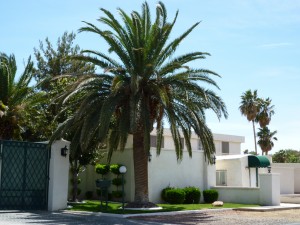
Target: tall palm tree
[(250, 107), (144, 86), (15, 96), (265, 113), (266, 138)]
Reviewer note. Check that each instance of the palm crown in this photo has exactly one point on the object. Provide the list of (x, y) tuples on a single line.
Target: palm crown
[(15, 96)]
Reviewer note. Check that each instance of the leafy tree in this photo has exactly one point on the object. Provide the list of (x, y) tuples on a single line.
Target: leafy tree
[(145, 85), (286, 156), (16, 97), (250, 107), (53, 61), (266, 138)]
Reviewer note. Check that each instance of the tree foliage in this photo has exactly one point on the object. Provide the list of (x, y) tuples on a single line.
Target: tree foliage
[(257, 110), (17, 98), (266, 138), (286, 156)]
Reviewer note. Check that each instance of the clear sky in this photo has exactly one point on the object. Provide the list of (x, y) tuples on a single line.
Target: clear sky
[(254, 44)]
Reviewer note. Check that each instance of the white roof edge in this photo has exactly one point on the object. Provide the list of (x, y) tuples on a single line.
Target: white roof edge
[(217, 137)]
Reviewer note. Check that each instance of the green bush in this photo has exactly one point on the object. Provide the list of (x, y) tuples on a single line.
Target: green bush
[(210, 195), (114, 168), (192, 195), (116, 194), (117, 181), (102, 169), (163, 193), (175, 196), (89, 195)]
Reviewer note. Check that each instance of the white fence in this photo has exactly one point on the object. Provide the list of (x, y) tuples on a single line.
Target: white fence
[(267, 194)]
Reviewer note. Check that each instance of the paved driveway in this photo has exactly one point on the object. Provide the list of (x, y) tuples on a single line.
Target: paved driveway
[(63, 218)]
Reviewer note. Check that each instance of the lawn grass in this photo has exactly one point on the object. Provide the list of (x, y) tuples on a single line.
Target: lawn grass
[(113, 207)]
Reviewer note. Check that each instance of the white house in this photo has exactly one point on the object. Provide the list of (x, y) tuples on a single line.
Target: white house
[(164, 170)]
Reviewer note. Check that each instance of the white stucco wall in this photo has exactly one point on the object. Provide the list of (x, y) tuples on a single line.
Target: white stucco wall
[(163, 171), (244, 195), (268, 193), (289, 177), (58, 173), (269, 189), (234, 143)]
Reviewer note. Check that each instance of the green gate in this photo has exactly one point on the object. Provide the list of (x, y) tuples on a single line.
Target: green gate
[(24, 175)]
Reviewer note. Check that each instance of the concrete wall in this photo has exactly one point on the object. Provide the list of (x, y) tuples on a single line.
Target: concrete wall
[(163, 171), (58, 173), (289, 177), (267, 194), (269, 189), (244, 195)]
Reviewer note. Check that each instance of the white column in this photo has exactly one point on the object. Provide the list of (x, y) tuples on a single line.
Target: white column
[(269, 189), (209, 176), (59, 176)]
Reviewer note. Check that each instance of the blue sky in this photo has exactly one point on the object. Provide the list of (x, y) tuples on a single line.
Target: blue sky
[(254, 44)]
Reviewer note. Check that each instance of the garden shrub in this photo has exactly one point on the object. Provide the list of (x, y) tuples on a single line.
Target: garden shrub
[(117, 181), (114, 168), (192, 195), (175, 196), (102, 169), (116, 194), (89, 195), (163, 193), (210, 195)]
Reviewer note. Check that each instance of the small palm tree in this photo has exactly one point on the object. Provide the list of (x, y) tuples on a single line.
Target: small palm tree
[(143, 87), (15, 96), (266, 138), (266, 112), (249, 107)]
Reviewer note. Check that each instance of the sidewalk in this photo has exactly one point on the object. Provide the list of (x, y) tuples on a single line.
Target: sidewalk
[(282, 206)]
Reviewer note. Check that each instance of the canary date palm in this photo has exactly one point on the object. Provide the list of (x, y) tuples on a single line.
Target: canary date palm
[(144, 86)]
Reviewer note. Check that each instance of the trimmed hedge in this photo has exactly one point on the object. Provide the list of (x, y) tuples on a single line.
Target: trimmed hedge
[(163, 193), (114, 168), (175, 196), (102, 169), (192, 195), (117, 181), (210, 195)]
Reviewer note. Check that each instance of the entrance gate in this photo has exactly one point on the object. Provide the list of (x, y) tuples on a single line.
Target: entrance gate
[(24, 175)]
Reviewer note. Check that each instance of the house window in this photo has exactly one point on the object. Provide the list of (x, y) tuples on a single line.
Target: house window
[(200, 146), (221, 178), (225, 148), (153, 141)]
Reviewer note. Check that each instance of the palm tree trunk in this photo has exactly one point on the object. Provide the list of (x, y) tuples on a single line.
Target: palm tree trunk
[(140, 159), (254, 137)]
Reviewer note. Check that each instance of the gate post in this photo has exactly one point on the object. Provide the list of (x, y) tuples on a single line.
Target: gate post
[(59, 176)]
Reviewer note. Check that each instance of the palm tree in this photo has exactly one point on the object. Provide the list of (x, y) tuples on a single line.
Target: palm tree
[(15, 96), (266, 112), (265, 139), (145, 86), (250, 107)]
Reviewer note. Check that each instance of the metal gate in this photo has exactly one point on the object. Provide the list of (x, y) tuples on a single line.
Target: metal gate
[(24, 175)]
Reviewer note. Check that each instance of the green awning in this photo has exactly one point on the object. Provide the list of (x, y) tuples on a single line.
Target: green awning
[(258, 161)]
